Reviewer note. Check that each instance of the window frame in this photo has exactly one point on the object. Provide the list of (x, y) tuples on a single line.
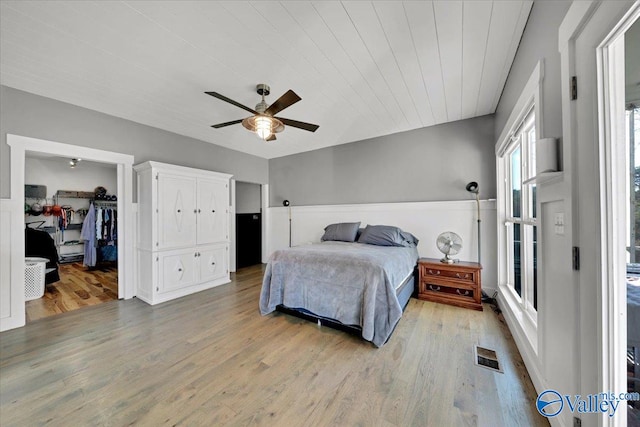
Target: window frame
[(523, 326), (526, 220)]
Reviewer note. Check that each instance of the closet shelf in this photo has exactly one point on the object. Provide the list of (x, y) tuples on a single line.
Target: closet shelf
[(73, 226), (75, 194), (71, 243)]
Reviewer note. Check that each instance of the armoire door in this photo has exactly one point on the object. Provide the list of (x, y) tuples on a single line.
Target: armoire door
[(213, 202), (178, 269), (176, 211), (213, 262)]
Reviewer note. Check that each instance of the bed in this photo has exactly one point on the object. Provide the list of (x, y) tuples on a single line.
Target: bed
[(351, 285)]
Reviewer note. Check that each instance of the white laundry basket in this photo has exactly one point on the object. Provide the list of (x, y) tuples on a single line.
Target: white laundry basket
[(34, 272)]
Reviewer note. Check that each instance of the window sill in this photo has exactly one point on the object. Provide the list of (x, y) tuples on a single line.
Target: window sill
[(528, 326), (544, 177)]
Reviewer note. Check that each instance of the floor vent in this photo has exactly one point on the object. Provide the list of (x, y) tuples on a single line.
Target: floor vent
[(487, 358)]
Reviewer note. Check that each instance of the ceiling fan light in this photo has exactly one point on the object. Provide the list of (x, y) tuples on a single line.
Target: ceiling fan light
[(263, 127)]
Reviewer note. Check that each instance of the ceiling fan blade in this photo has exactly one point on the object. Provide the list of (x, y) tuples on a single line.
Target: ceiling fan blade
[(299, 125), (286, 100), (272, 137), (231, 101), (221, 125)]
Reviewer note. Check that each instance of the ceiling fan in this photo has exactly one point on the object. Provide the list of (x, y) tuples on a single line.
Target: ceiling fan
[(263, 122)]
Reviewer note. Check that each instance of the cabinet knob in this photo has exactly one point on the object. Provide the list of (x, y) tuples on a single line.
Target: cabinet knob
[(195, 211), (213, 263), (213, 211), (179, 211), (198, 210), (179, 269)]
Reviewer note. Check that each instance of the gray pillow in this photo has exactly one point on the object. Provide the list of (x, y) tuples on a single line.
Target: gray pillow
[(409, 238), (386, 235), (341, 232)]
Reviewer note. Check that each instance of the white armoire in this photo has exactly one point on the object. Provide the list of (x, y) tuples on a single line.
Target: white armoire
[(183, 231)]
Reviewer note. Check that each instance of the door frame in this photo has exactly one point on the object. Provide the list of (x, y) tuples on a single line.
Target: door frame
[(20, 145), (604, 351), (264, 205), (610, 56)]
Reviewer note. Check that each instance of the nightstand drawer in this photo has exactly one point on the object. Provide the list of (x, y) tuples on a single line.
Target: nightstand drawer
[(459, 276), (447, 291)]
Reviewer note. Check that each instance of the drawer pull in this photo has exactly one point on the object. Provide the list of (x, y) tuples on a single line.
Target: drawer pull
[(213, 211), (179, 211), (179, 269), (462, 276), (463, 293), (437, 273), (213, 263), (434, 288)]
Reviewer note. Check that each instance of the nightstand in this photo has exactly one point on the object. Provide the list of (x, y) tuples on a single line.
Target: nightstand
[(455, 284)]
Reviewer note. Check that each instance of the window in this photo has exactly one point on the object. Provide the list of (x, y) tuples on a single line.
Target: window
[(520, 215)]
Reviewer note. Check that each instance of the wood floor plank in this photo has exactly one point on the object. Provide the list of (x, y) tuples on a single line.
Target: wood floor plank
[(212, 359), (78, 287)]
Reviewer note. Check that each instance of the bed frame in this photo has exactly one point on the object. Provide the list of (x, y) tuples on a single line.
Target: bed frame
[(404, 293)]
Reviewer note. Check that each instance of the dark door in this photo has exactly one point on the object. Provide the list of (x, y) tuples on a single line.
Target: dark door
[(248, 239)]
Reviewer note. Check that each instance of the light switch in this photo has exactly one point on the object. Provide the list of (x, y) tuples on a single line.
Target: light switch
[(558, 223)]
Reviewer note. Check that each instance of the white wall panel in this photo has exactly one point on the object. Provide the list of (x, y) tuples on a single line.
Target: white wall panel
[(426, 220), (12, 314)]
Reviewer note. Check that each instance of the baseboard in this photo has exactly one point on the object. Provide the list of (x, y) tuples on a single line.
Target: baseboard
[(529, 357)]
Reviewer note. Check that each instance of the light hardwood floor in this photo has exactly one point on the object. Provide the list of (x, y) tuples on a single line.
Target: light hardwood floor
[(78, 287), (211, 359)]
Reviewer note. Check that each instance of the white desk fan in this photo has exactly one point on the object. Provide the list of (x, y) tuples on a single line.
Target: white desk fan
[(449, 243)]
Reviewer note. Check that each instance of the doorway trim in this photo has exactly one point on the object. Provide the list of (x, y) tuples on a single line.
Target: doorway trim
[(264, 208), (20, 145), (610, 55), (607, 26)]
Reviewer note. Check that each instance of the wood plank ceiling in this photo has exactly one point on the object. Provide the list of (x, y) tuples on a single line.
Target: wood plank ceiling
[(363, 68)]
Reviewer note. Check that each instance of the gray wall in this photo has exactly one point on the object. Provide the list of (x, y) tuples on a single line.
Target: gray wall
[(248, 198), (632, 63), (426, 164), (38, 117), (539, 41)]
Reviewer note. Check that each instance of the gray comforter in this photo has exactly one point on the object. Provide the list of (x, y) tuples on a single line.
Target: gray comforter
[(350, 282)]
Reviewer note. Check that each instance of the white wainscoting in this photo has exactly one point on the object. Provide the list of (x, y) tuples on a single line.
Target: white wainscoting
[(12, 313), (426, 220)]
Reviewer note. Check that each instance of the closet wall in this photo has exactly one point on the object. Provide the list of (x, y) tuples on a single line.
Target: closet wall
[(56, 174)]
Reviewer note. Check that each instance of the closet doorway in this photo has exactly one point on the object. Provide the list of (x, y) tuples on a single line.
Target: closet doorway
[(20, 146), (248, 221), (71, 221)]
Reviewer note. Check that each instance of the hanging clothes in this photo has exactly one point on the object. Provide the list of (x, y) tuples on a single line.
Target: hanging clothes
[(88, 234), (105, 232)]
